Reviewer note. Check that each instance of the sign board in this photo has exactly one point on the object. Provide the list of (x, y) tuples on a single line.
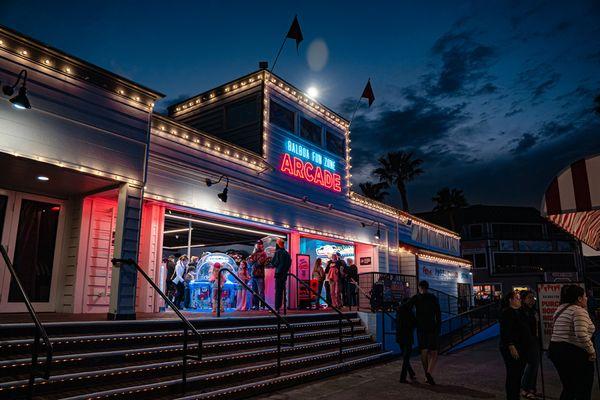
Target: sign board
[(560, 276), (548, 302), (365, 261), (303, 266), (310, 166)]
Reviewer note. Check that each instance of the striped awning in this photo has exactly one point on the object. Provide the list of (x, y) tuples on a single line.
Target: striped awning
[(572, 201)]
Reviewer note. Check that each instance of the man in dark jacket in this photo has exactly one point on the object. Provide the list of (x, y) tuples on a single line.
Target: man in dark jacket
[(429, 323), (405, 327), (281, 262)]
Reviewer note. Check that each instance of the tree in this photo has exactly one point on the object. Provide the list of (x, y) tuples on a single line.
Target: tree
[(397, 169), (374, 190), (449, 200)]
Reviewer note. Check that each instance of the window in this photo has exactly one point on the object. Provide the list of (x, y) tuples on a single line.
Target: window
[(241, 113), (335, 144), (517, 231), (476, 231), (310, 131), (479, 261), (281, 116), (532, 263)]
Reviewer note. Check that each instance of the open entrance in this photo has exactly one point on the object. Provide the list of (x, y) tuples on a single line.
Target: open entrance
[(201, 245)]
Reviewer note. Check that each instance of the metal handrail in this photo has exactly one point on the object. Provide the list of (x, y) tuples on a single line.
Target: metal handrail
[(187, 324), (280, 319), (39, 331), (469, 314), (340, 314)]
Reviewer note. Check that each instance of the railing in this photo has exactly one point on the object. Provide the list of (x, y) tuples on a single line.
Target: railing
[(39, 329), (458, 328), (187, 325), (391, 289), (280, 319), (449, 304), (337, 310)]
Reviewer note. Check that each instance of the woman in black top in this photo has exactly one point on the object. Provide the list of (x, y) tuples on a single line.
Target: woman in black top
[(405, 328), (515, 340)]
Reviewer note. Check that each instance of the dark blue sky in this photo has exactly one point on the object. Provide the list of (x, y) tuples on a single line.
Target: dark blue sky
[(495, 97)]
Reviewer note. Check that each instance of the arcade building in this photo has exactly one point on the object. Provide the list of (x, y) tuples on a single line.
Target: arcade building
[(91, 172)]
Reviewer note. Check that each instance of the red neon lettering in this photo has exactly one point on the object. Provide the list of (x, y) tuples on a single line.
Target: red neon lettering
[(308, 172), (286, 164), (298, 168)]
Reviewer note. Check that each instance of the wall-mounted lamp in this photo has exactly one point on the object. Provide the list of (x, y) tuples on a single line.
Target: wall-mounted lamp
[(378, 233), (223, 195), (20, 101), (304, 199)]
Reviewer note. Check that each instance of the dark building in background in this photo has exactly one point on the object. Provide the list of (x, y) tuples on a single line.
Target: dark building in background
[(511, 247)]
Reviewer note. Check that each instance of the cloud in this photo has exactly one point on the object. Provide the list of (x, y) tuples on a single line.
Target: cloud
[(464, 62), (538, 80), (488, 88), (514, 111), (417, 123), (524, 143)]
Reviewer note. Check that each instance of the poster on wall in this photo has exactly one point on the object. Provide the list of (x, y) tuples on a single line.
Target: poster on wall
[(303, 266), (365, 261), (549, 300)]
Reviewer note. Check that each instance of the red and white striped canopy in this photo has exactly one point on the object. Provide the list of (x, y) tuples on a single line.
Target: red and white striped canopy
[(572, 201)]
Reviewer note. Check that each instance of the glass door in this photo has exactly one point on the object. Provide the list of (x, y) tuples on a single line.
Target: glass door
[(32, 228)]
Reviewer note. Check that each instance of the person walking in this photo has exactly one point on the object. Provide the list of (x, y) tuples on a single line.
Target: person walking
[(571, 348), (333, 277), (515, 340), (318, 275), (429, 324), (258, 259), (281, 261), (242, 292), (351, 282), (529, 380), (405, 327), (178, 280)]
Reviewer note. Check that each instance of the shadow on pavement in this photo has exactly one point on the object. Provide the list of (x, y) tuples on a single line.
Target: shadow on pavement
[(456, 390)]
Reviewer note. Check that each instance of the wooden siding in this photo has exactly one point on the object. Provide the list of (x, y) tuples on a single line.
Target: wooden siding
[(70, 254)]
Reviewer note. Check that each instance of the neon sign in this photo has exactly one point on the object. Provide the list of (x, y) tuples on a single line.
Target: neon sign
[(315, 168)]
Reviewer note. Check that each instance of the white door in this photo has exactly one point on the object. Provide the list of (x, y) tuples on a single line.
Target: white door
[(31, 232)]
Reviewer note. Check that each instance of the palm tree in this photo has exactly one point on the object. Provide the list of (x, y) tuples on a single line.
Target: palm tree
[(449, 200), (374, 190), (397, 169)]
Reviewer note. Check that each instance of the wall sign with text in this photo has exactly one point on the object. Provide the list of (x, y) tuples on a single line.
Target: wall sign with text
[(310, 166)]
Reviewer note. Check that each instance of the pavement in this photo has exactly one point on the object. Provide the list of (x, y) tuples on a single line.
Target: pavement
[(476, 372)]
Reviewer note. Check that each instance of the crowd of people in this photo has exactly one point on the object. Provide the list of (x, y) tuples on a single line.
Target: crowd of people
[(571, 347), (338, 279)]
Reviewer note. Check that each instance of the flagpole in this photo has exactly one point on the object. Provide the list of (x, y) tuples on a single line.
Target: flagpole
[(278, 53), (355, 110)]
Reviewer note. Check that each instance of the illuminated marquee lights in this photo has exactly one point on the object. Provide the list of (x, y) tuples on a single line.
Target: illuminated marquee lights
[(317, 169)]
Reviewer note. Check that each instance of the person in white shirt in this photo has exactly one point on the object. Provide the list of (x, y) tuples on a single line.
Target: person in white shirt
[(571, 348), (178, 280)]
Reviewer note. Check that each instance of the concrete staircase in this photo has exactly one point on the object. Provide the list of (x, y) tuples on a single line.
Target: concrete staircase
[(143, 359)]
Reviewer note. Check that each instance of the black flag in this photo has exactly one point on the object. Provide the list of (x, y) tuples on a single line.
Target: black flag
[(368, 93), (295, 32)]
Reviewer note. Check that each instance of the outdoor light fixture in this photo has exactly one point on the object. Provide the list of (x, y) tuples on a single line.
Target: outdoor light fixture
[(20, 101), (304, 199), (378, 233), (330, 206), (223, 195), (43, 178)]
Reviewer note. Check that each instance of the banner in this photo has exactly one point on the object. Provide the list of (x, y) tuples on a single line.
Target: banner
[(303, 266), (548, 302)]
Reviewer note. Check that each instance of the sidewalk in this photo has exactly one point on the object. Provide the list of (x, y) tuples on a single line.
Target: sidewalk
[(476, 372)]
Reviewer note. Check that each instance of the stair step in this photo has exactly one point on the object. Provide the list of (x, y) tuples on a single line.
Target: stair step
[(203, 382), (129, 371), (17, 346)]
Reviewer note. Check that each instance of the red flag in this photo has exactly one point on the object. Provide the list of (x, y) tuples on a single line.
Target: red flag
[(295, 32), (368, 93)]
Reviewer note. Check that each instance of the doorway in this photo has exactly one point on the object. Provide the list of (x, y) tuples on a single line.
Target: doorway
[(31, 228)]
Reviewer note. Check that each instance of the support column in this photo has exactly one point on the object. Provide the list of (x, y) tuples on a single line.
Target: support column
[(127, 237)]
